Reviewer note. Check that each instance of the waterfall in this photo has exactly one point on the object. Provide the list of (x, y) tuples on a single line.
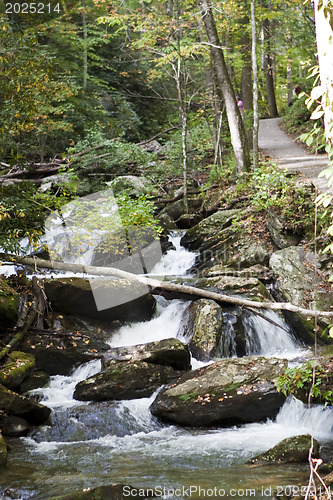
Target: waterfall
[(174, 262), (163, 326), (227, 343), (59, 391), (269, 338)]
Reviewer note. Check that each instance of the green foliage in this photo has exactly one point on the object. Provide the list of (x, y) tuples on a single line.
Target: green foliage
[(308, 380), (23, 210)]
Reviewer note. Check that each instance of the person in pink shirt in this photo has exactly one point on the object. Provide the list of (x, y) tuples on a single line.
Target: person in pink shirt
[(240, 105)]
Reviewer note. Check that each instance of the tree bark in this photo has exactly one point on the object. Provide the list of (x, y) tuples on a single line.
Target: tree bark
[(255, 86), (156, 286), (268, 66), (236, 125)]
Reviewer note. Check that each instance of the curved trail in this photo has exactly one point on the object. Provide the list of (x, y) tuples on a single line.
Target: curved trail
[(290, 155)]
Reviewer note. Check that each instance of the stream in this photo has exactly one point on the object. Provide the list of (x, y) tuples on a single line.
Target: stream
[(94, 444)]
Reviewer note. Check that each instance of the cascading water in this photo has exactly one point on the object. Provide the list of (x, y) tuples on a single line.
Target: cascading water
[(90, 444)]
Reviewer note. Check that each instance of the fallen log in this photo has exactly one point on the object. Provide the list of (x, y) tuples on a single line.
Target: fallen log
[(156, 286)]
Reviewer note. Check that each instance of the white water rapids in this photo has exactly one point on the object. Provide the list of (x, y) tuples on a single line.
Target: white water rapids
[(104, 443)]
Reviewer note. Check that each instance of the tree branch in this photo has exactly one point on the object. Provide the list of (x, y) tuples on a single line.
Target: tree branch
[(189, 292)]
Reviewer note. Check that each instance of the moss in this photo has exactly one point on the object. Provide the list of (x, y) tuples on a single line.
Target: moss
[(9, 305), (3, 452), (16, 369)]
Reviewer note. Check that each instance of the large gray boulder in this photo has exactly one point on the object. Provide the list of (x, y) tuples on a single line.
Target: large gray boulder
[(169, 352), (203, 321), (207, 228), (294, 449), (229, 392), (125, 380), (75, 296), (300, 281)]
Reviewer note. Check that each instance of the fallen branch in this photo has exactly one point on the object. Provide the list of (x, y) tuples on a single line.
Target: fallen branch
[(157, 285)]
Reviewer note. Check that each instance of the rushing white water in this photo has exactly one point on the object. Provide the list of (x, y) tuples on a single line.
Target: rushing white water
[(163, 326), (269, 338), (175, 262), (59, 391)]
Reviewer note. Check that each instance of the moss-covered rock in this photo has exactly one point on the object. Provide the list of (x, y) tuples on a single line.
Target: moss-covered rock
[(117, 299), (16, 368), (125, 380), (169, 352), (9, 305), (210, 227), (3, 451), (291, 450), (202, 322), (15, 404), (229, 392)]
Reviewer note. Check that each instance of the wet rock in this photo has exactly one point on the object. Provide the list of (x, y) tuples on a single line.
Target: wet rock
[(208, 228), (124, 380), (186, 221), (290, 450), (281, 236), (67, 342), (15, 404), (137, 252), (74, 296), (37, 378), (9, 305), (14, 426), (109, 492), (248, 287), (169, 352), (3, 451), (202, 322), (229, 392), (16, 368)]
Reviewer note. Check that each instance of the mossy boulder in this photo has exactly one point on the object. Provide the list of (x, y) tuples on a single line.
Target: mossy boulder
[(15, 404), (202, 322), (117, 299), (68, 342), (290, 450), (209, 227), (229, 392), (170, 352), (17, 367), (125, 380), (132, 185), (9, 305), (176, 209), (3, 451)]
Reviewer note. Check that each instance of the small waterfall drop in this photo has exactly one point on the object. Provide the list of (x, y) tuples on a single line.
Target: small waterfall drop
[(59, 391), (163, 326), (175, 262), (269, 338)]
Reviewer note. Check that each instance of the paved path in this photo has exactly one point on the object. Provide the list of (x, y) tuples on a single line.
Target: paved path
[(290, 155)]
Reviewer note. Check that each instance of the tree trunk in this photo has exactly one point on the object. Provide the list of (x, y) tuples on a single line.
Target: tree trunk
[(236, 125), (268, 66), (324, 36), (85, 47), (255, 87), (156, 286), (246, 81)]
